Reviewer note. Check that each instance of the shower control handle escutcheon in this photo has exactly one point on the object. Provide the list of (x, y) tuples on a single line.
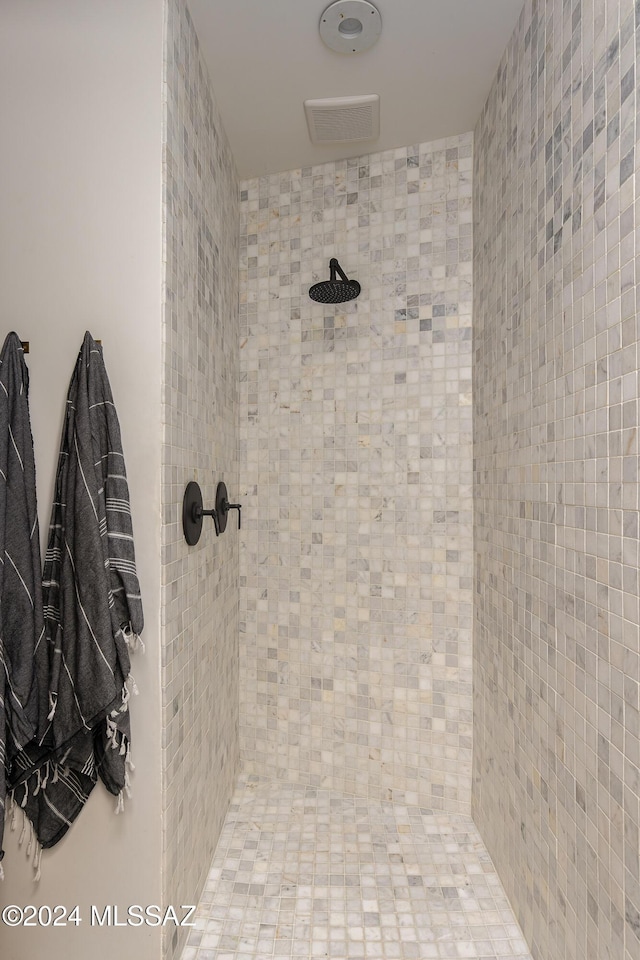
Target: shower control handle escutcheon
[(193, 513)]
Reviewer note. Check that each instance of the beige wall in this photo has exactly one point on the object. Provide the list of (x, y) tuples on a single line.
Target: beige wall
[(80, 234)]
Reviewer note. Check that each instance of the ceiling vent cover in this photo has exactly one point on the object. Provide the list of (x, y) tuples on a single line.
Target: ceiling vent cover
[(343, 119)]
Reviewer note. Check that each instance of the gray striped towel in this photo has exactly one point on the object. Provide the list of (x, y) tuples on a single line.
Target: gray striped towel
[(92, 610), (21, 622)]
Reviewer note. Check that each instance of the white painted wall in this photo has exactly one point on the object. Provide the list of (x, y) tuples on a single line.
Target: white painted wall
[(81, 248)]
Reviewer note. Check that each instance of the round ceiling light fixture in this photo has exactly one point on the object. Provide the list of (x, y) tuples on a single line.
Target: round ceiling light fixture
[(350, 26)]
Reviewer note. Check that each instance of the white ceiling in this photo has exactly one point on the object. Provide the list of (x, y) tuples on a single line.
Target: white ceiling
[(432, 67)]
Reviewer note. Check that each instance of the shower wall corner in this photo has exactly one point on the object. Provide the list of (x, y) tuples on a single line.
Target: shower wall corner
[(200, 419)]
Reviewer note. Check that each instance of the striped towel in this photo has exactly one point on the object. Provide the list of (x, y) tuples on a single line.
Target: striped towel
[(93, 614), (21, 622)]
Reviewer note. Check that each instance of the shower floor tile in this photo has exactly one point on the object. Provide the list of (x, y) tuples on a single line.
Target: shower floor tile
[(306, 873)]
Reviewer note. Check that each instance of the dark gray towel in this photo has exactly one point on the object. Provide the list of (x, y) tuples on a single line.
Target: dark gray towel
[(92, 611), (21, 621)]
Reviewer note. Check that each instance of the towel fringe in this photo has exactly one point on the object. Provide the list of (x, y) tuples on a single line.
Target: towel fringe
[(12, 810), (129, 687), (37, 863), (112, 733), (120, 803), (133, 640), (24, 828), (1, 873), (26, 794), (125, 698)]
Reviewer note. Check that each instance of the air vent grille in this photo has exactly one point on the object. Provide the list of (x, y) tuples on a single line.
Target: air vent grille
[(343, 119)]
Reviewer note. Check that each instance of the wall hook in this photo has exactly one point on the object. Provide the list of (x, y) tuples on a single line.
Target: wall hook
[(193, 513)]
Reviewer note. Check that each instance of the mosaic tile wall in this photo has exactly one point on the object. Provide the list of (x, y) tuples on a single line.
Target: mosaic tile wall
[(556, 646), (200, 413), (356, 476)]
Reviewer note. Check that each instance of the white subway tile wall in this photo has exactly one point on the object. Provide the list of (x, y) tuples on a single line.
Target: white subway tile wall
[(556, 645), (356, 476), (200, 407)]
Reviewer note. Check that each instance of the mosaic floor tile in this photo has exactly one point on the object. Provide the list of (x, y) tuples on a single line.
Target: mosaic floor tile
[(305, 873)]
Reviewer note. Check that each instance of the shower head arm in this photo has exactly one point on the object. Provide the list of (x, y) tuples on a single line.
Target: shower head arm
[(336, 268)]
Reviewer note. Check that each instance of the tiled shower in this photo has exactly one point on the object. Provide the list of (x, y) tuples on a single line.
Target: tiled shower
[(383, 571), (355, 445), (556, 643)]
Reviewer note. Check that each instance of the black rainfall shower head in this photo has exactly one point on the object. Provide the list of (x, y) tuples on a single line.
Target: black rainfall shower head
[(333, 290)]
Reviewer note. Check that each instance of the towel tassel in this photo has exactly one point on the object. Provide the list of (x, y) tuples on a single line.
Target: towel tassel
[(133, 640), (112, 733), (127, 783), (37, 863), (24, 828), (125, 699), (26, 794)]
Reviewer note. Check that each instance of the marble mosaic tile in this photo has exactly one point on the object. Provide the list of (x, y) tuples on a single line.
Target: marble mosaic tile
[(356, 473), (557, 641), (302, 872), (200, 404)]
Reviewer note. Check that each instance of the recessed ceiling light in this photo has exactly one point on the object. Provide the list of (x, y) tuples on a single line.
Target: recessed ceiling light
[(350, 26)]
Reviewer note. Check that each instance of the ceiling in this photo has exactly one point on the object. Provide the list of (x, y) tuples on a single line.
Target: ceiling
[(432, 68)]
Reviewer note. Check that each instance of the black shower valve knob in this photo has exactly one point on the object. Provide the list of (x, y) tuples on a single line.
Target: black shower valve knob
[(235, 506), (223, 506), (210, 513), (193, 511)]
